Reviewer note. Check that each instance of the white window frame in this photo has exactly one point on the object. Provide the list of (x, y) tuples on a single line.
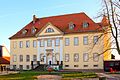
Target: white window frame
[(67, 57), (49, 42), (95, 57), (76, 41), (14, 44), (41, 43), (85, 40), (27, 58), (95, 39), (34, 57), (76, 57), (85, 57), (27, 44), (34, 43), (57, 42), (14, 58), (21, 58), (67, 41), (21, 44)]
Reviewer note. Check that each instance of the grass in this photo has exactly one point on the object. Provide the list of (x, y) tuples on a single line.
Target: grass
[(31, 75)]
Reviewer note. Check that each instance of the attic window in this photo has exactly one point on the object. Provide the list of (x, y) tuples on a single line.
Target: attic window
[(85, 24), (24, 31), (71, 26), (34, 30), (49, 30)]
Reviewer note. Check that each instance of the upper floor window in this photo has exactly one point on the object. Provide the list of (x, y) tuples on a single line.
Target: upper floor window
[(71, 26), (76, 57), (85, 57), (24, 31), (27, 44), (76, 41), (95, 57), (41, 43), (27, 58), (34, 43), (85, 24), (57, 42), (21, 44), (14, 44), (95, 39), (49, 30), (34, 57), (67, 58), (14, 58), (67, 41), (49, 42), (85, 40), (33, 30), (21, 58)]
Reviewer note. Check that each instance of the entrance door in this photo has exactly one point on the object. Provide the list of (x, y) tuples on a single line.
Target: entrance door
[(49, 58)]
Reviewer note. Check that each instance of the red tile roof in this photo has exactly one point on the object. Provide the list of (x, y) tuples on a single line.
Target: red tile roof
[(62, 23), (4, 60)]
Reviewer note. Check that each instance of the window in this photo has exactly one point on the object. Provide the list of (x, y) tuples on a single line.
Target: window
[(66, 65), (85, 57), (41, 42), (21, 67), (85, 24), (14, 44), (76, 41), (14, 58), (95, 65), (95, 57), (95, 39), (67, 41), (14, 67), (66, 57), (33, 30), (27, 67), (76, 65), (49, 42), (34, 43), (49, 30), (27, 58), (76, 57), (20, 44), (71, 26), (24, 31), (85, 40), (34, 58), (57, 42), (27, 44), (42, 57), (21, 58), (85, 65)]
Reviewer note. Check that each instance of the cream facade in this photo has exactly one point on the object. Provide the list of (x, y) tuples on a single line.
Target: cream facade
[(53, 45)]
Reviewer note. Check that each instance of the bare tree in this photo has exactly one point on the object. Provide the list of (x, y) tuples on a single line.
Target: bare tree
[(111, 9)]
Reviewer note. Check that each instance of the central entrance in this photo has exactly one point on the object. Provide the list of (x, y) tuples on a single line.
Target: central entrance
[(49, 56)]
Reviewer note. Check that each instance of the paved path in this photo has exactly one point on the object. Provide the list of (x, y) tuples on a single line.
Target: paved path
[(7, 72), (110, 76)]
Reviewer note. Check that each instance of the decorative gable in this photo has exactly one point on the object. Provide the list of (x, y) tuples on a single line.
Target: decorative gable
[(48, 30)]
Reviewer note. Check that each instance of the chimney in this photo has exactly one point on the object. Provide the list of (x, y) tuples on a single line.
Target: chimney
[(34, 19), (105, 20)]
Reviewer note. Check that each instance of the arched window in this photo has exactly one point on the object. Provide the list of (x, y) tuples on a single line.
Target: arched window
[(49, 30), (24, 31), (33, 30), (71, 26)]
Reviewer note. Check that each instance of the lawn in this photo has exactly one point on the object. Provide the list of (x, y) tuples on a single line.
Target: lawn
[(30, 75)]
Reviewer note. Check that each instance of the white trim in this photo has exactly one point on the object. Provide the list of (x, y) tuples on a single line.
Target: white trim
[(61, 50)]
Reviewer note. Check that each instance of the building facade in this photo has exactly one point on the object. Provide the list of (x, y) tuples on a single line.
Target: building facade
[(73, 40)]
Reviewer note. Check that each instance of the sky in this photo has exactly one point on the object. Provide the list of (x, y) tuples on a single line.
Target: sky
[(15, 14)]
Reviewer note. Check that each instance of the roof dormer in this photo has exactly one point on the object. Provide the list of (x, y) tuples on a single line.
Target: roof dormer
[(71, 25), (24, 31), (33, 30), (49, 30), (85, 24)]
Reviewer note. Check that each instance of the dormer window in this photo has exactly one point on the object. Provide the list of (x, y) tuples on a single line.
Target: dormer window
[(49, 30), (71, 26), (33, 30), (24, 31), (85, 24)]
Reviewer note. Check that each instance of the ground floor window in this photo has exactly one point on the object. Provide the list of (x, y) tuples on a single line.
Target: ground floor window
[(27, 67), (21, 67), (14, 67)]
